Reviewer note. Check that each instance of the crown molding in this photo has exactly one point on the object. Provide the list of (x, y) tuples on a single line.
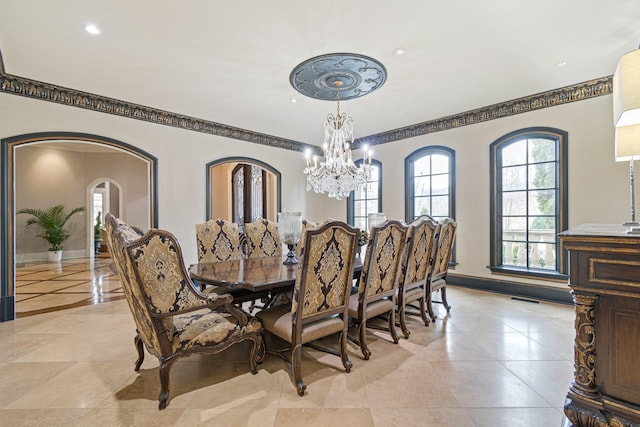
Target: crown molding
[(60, 95), (576, 92), (75, 98)]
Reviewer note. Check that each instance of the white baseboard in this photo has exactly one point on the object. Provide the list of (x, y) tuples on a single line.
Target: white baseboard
[(44, 256)]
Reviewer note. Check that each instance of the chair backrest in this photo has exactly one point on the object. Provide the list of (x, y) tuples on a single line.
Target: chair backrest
[(325, 272), (442, 254), (263, 239), (154, 279), (418, 252), (218, 240), (119, 235), (382, 261)]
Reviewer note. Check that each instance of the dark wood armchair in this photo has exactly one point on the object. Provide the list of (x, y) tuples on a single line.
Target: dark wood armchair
[(173, 318)]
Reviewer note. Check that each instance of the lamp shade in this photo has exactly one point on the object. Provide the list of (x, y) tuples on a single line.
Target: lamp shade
[(627, 143), (626, 90)]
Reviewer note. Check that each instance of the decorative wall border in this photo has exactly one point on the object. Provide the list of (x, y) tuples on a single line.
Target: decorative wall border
[(60, 95), (577, 92)]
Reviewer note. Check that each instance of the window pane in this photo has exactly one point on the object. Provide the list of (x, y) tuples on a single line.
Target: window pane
[(543, 226), (359, 208), (422, 166), (542, 150), (360, 223), (514, 227), (440, 205), (422, 206), (542, 202), (514, 203), (440, 184), (439, 163), (514, 178), (514, 254), (543, 255), (542, 175), (422, 186), (515, 153)]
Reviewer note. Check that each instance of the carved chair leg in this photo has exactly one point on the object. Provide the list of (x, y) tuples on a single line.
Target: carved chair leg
[(256, 345), (362, 336), (163, 370), (296, 362), (343, 352), (140, 347), (430, 308), (423, 312), (403, 323), (443, 293), (391, 319)]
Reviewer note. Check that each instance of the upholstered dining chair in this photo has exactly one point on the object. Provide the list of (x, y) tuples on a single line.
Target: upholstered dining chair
[(320, 296), (218, 240), (263, 239), (173, 318), (377, 285), (437, 279), (416, 264)]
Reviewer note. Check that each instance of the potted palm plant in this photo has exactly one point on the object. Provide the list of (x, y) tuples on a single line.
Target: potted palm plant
[(97, 233), (52, 222)]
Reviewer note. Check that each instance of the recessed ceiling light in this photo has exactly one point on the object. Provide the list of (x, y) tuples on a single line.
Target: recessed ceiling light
[(399, 51), (560, 64), (293, 100), (92, 29)]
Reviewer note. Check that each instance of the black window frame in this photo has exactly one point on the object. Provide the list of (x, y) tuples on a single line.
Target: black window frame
[(351, 199), (561, 139)]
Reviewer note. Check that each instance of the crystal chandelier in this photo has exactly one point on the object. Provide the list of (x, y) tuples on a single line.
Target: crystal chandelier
[(337, 175)]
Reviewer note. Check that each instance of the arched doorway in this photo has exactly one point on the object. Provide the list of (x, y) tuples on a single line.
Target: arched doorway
[(10, 147), (233, 184)]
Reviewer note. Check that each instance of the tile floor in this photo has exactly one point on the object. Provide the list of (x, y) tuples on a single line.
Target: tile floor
[(492, 362)]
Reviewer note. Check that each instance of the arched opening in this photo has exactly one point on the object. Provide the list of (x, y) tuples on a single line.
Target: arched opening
[(104, 195), (242, 189), (45, 169)]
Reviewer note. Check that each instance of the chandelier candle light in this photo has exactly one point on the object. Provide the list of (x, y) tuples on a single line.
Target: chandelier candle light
[(337, 174)]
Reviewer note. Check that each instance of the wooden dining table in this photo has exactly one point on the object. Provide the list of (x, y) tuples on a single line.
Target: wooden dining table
[(253, 274)]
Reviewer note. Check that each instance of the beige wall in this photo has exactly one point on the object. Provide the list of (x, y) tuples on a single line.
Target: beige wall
[(47, 176), (598, 186)]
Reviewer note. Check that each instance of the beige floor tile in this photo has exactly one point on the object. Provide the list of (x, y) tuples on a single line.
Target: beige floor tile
[(421, 417), (515, 417), (46, 301), (18, 379), (486, 384), (353, 417), (513, 346), (228, 417), (549, 379), (41, 417), (129, 417), (45, 275)]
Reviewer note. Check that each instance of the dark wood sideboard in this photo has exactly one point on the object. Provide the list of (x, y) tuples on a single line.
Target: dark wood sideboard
[(604, 279)]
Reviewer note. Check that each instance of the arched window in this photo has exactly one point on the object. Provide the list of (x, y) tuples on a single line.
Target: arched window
[(430, 183), (367, 200), (528, 201), (248, 193)]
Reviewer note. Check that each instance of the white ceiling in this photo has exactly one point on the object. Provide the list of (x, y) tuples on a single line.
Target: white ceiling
[(229, 61)]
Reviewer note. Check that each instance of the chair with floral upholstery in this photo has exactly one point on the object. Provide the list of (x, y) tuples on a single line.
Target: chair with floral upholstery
[(263, 239), (377, 285), (416, 264), (320, 296), (437, 279), (218, 240), (173, 318)]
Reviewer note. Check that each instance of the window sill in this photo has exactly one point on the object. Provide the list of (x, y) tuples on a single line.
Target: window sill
[(530, 273)]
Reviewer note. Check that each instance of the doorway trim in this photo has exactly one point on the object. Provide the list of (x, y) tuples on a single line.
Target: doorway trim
[(249, 160), (7, 200)]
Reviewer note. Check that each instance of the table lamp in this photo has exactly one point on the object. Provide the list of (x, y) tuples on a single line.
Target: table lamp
[(626, 118)]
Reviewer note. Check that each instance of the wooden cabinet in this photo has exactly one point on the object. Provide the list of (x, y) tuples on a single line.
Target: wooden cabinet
[(604, 278)]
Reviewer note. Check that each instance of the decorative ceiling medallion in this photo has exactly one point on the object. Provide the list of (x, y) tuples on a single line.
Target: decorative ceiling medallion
[(317, 77)]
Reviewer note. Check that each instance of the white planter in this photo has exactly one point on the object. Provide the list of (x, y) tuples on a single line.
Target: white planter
[(55, 256)]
